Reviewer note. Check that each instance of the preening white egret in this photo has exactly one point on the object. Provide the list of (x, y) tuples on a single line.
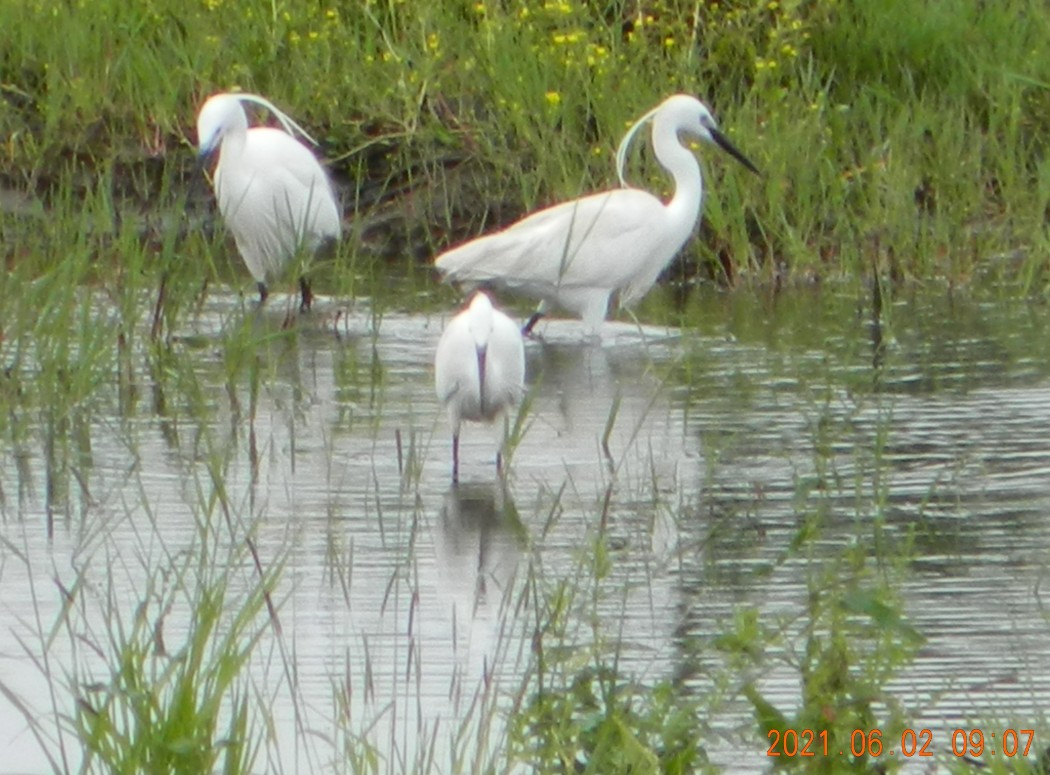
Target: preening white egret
[(272, 192), (479, 369), (575, 255)]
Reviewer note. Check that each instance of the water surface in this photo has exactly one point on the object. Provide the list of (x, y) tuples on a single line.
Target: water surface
[(695, 456)]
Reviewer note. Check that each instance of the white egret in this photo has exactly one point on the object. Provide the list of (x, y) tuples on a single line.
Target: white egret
[(272, 192), (577, 254), (479, 369)]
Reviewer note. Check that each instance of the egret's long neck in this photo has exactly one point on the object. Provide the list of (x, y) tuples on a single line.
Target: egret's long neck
[(234, 138), (681, 163)]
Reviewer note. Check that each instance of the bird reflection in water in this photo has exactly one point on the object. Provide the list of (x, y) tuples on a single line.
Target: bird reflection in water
[(478, 544)]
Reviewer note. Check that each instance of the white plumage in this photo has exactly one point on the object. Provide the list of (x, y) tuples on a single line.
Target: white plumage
[(575, 255), (479, 368), (272, 192)]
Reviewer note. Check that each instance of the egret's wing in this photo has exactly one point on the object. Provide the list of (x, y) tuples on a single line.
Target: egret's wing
[(293, 184), (454, 351), (249, 215), (507, 354), (594, 242)]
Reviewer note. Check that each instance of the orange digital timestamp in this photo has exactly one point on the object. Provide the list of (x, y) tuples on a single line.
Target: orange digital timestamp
[(965, 742)]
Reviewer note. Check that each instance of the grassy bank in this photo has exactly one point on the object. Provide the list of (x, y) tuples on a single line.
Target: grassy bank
[(903, 140), (902, 135)]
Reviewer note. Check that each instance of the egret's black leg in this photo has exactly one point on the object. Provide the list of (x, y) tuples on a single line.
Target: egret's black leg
[(455, 458), (306, 294), (264, 292), (526, 330)]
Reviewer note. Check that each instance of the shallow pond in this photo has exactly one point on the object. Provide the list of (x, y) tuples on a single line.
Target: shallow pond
[(696, 458)]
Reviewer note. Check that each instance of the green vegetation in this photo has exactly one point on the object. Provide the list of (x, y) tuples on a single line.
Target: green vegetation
[(901, 136), (900, 141)]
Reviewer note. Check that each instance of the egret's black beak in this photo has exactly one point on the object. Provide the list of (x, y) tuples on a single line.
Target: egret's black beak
[(481, 351), (732, 150), (200, 168), (205, 156)]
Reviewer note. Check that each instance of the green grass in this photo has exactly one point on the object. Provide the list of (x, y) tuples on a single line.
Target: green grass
[(898, 141), (166, 680), (148, 661), (902, 138)]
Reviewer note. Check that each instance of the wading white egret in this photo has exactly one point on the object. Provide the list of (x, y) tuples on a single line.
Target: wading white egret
[(479, 369), (577, 254), (272, 192)]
